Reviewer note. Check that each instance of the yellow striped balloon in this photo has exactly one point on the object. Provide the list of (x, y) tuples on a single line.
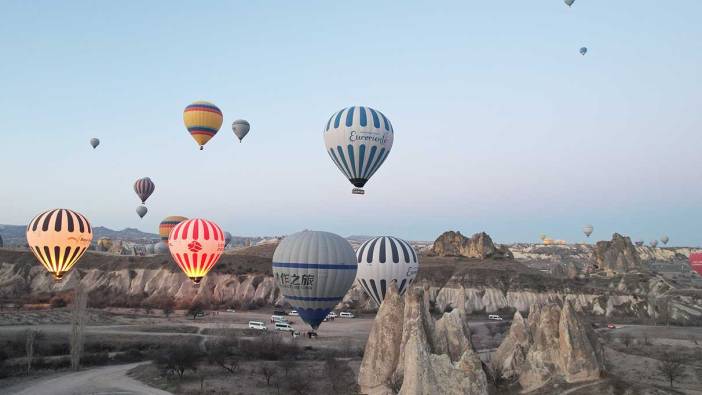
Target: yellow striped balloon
[(168, 223), (203, 120), (59, 238)]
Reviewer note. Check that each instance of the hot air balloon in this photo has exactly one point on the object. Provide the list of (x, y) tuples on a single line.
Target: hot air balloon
[(59, 238), (196, 245), (104, 244), (94, 142), (542, 237), (695, 260), (583, 51), (654, 243), (168, 223), (665, 239), (382, 260), (141, 211), (569, 2), (144, 187), (358, 140), (587, 229), (227, 238), (241, 128), (161, 248), (314, 270), (203, 120), (639, 243)]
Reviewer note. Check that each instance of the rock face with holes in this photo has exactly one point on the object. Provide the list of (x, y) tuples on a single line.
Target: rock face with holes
[(617, 256), (478, 246), (415, 354), (553, 345)]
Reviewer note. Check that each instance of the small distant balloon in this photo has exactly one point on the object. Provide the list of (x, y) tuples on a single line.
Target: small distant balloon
[(227, 238), (654, 243), (241, 128), (583, 51), (569, 2), (161, 248), (587, 229), (141, 211), (665, 239), (94, 142), (144, 187)]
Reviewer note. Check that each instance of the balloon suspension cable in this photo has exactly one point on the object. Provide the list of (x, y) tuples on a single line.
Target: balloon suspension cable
[(58, 277), (358, 191)]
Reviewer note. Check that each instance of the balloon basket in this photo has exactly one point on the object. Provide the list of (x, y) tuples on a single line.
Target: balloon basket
[(358, 191)]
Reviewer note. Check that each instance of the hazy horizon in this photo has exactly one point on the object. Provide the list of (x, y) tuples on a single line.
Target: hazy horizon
[(500, 124)]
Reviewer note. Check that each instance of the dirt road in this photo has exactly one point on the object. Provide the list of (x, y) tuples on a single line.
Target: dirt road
[(105, 380)]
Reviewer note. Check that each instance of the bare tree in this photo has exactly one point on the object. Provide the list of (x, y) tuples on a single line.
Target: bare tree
[(626, 339), (167, 306), (178, 358), (287, 364), (29, 348), (268, 371), (665, 310), (78, 318), (196, 309), (646, 340), (223, 355), (299, 384), (672, 368)]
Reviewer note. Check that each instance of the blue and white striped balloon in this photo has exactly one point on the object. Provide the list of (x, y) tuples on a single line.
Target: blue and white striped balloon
[(358, 140), (314, 270), (383, 259)]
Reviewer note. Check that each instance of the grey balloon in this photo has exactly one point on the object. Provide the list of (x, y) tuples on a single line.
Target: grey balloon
[(94, 142), (665, 239), (654, 243), (241, 128), (583, 50), (587, 229), (142, 210), (161, 248), (569, 2), (227, 238)]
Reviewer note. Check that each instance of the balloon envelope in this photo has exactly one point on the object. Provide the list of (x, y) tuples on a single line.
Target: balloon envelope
[(196, 245), (382, 260), (94, 142), (141, 211), (583, 51), (161, 248), (144, 187), (314, 270), (358, 140), (59, 238), (569, 2), (168, 223), (665, 239), (654, 243), (203, 120), (587, 229), (227, 238), (241, 128)]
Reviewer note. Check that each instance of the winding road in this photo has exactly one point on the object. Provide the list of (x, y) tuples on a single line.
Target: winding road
[(111, 380)]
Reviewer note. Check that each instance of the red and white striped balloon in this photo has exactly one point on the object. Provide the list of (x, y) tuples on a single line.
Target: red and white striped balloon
[(196, 245)]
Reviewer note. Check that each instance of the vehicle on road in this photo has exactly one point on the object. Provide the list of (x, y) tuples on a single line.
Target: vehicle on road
[(331, 315), (284, 327), (231, 311), (278, 317), (280, 312), (294, 313), (258, 325), (346, 314), (494, 317), (611, 326)]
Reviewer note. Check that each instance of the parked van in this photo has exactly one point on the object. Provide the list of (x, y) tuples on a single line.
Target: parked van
[(284, 327), (278, 317), (346, 314), (257, 325), (293, 313), (494, 317), (331, 315)]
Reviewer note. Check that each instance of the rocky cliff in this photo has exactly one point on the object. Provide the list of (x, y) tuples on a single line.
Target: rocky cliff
[(554, 345), (617, 256), (478, 246), (408, 352)]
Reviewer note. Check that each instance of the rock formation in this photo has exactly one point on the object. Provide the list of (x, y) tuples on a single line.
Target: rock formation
[(617, 256), (554, 345), (414, 354), (479, 246)]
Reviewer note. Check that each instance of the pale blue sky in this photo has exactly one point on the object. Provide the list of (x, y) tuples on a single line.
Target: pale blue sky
[(500, 125)]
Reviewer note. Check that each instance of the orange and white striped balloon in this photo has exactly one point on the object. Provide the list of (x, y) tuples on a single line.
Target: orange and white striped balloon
[(59, 238), (196, 245)]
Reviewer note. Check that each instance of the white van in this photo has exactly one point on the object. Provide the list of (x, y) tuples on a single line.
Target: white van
[(331, 315), (294, 313), (278, 318), (494, 317), (284, 327), (257, 325), (346, 314)]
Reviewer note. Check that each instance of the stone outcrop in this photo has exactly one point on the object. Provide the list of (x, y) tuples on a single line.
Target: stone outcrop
[(478, 246), (418, 355), (553, 345), (617, 256)]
